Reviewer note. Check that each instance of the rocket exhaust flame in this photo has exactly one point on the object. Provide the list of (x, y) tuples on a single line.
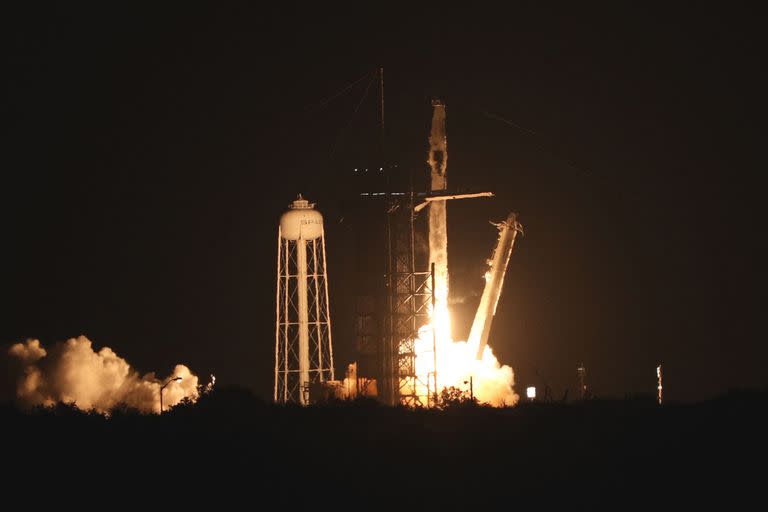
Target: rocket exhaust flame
[(438, 231), (438, 255), (73, 372), (458, 361), (451, 363)]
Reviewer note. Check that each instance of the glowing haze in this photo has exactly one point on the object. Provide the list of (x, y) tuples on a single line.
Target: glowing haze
[(73, 372), (457, 361), (438, 254)]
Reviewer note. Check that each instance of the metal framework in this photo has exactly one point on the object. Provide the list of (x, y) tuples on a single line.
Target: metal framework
[(389, 328), (409, 296), (303, 347)]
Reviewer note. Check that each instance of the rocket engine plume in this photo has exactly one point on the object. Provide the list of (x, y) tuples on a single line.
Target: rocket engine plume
[(438, 231), (73, 372), (438, 254), (456, 361)]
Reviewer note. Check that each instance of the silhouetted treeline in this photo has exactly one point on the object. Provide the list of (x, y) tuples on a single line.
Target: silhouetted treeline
[(355, 455)]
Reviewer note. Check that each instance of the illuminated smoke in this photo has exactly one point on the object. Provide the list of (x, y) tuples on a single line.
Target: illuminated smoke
[(456, 362), (438, 254), (72, 372), (437, 158)]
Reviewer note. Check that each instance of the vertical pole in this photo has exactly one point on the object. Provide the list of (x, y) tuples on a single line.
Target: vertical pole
[(412, 287), (327, 305), (391, 373), (471, 389), (301, 258), (434, 334), (318, 331), (381, 88), (658, 376), (277, 312), (357, 382), (286, 318), (412, 241)]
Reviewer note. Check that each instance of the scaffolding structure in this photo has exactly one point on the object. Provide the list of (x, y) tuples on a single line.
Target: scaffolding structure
[(409, 295)]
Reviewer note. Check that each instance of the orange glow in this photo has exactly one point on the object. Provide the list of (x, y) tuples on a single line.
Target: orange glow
[(74, 372), (457, 362)]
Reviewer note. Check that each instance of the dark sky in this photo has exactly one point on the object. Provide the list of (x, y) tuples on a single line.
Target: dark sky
[(151, 152)]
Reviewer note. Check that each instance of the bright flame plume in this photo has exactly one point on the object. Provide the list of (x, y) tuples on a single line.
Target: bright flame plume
[(457, 361)]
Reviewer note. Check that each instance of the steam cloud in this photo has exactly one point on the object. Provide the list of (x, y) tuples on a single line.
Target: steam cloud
[(493, 383), (456, 363), (72, 372)]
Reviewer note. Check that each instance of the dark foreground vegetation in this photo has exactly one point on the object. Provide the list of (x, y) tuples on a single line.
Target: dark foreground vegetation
[(241, 452)]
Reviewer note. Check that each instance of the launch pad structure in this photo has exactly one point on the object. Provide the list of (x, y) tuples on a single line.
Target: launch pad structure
[(409, 290), (409, 295), (390, 311), (401, 282)]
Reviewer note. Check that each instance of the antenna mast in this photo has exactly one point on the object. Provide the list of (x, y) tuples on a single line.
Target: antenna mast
[(381, 91)]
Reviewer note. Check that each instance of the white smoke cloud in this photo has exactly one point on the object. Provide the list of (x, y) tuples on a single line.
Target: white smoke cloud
[(28, 353), (73, 372), (493, 382)]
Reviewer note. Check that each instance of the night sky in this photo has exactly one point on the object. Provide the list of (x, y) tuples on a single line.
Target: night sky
[(150, 153)]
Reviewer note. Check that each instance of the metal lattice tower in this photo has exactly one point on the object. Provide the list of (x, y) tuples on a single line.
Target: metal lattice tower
[(303, 348), (391, 317), (409, 296)]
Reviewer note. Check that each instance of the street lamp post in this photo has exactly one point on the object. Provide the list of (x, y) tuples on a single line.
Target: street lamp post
[(471, 389), (162, 388)]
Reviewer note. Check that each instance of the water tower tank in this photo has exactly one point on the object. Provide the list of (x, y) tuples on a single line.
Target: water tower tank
[(302, 221), (303, 347)]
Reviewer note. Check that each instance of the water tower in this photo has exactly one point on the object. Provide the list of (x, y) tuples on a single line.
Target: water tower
[(303, 350)]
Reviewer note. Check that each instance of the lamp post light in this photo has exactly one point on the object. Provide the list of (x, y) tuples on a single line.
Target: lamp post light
[(163, 387), (471, 389), (658, 387)]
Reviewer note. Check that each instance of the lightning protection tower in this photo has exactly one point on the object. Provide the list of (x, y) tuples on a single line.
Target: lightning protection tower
[(303, 349)]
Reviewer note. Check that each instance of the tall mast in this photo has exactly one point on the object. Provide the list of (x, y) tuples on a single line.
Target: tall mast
[(381, 94)]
